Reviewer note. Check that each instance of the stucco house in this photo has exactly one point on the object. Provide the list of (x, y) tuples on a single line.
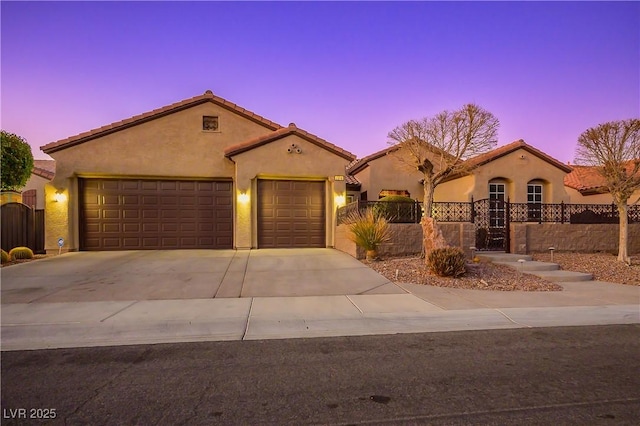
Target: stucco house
[(200, 173), (32, 194), (516, 171), (585, 185), (33, 191), (207, 173)]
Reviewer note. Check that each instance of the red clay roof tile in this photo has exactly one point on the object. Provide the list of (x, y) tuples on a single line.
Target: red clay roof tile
[(587, 179), (44, 168)]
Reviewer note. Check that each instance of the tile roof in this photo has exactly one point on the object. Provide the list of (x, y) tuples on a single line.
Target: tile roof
[(44, 168), (357, 165), (588, 180), (351, 180), (283, 132), (514, 146), (208, 96)]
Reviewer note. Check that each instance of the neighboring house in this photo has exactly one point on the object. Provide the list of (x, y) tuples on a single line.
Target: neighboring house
[(33, 191), (32, 194), (516, 171), (200, 173), (380, 174), (585, 185)]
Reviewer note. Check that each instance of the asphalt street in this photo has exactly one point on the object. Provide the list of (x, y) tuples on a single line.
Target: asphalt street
[(565, 375)]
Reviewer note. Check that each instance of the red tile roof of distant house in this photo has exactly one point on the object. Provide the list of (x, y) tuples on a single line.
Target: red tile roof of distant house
[(514, 146), (588, 180), (284, 132), (44, 168), (208, 96)]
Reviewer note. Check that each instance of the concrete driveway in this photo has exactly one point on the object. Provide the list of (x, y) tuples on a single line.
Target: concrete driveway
[(190, 274)]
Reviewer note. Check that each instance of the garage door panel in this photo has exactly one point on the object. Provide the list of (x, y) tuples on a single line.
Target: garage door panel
[(131, 227), (291, 213), (110, 184), (162, 214), (110, 214), (131, 214), (150, 185), (148, 200), (113, 228)]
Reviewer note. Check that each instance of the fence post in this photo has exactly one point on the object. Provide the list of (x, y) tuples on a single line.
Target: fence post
[(562, 212), (507, 227), (473, 211)]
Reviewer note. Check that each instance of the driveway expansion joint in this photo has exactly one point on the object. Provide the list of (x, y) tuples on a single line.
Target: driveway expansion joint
[(118, 311)]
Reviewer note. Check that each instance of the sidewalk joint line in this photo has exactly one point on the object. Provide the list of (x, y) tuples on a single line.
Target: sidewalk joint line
[(354, 304), (244, 273), (512, 320), (246, 327), (120, 310), (225, 274)]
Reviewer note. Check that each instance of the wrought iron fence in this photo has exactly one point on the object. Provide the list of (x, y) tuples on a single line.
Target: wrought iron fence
[(410, 212), (569, 213), (495, 213)]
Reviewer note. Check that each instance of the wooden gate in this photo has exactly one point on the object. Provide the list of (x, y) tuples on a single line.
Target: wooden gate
[(22, 226)]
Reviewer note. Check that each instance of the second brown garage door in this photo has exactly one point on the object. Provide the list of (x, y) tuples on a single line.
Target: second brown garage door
[(133, 214), (291, 214)]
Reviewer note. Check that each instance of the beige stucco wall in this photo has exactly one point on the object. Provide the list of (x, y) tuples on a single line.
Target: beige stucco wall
[(576, 197), (37, 182), (518, 169), (388, 172), (272, 161), (458, 190), (171, 146)]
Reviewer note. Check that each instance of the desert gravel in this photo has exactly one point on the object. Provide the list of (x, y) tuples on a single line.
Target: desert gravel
[(479, 276), (603, 266)]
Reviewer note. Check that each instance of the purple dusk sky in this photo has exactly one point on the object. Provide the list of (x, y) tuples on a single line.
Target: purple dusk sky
[(347, 72)]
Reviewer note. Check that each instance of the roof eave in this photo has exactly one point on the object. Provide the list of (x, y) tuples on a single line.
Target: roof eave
[(70, 142)]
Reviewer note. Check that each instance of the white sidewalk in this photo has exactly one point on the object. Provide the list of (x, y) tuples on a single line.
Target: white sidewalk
[(27, 326)]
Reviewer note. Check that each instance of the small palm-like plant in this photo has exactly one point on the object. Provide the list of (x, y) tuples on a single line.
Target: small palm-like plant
[(368, 230)]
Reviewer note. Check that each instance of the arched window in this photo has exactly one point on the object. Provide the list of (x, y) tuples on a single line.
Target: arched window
[(535, 198)]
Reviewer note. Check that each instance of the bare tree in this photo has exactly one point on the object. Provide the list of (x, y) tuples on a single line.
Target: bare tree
[(437, 147), (613, 148)]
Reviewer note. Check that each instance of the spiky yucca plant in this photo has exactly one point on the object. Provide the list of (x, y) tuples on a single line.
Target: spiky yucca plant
[(447, 262), (368, 229), (20, 253)]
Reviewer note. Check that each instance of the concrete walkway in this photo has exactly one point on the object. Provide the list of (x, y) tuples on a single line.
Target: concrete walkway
[(404, 308)]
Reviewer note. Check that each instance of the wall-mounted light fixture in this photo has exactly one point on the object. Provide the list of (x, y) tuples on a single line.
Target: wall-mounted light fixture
[(59, 197), (340, 200), (243, 197)]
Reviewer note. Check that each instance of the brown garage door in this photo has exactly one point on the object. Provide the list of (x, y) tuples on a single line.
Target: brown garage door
[(291, 214), (155, 214)]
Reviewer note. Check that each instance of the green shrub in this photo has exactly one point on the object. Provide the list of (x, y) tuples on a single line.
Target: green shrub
[(21, 253), (397, 208), (368, 229), (447, 262), (5, 257)]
